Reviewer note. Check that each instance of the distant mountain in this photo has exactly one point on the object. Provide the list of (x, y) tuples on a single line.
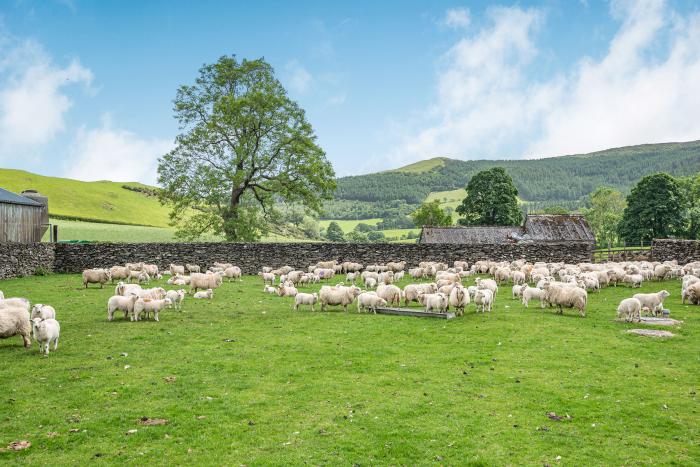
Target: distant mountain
[(565, 180)]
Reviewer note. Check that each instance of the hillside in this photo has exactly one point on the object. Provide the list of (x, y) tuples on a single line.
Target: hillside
[(562, 180), (100, 201)]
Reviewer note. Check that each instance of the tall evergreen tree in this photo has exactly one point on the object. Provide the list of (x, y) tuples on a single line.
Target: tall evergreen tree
[(492, 199), (334, 232)]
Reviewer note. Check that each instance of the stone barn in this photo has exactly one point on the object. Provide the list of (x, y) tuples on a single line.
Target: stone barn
[(23, 218)]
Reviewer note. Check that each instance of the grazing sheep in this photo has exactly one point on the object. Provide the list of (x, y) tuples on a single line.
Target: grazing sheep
[(204, 281), (144, 278), (489, 284), (661, 271), (688, 281), (518, 277), (150, 269), (502, 275), (14, 320), (411, 291), (287, 290), (629, 309), (692, 293), (390, 293), (634, 280), (45, 332), (569, 297), (351, 277), (398, 276), (192, 268), (43, 311), (177, 269), (434, 302), (176, 298), (332, 296), (134, 276), (119, 302), (119, 272), (517, 291), (156, 293), (529, 293), (459, 299), (127, 289), (96, 276), (148, 305), (2, 295), (267, 277), (208, 294), (483, 299), (305, 299), (370, 282), (269, 289), (369, 300), (652, 301), (233, 272)]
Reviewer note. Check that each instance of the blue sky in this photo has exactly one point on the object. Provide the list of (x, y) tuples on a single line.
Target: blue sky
[(86, 88)]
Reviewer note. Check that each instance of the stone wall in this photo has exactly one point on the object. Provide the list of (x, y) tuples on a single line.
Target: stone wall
[(23, 259), (682, 251), (73, 258)]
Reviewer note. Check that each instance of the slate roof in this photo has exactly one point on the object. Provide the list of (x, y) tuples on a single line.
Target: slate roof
[(470, 235), (12, 198), (557, 228)]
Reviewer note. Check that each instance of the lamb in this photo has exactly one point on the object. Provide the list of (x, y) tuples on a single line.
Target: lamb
[(338, 296), (398, 276), (502, 275), (43, 311), (119, 272), (629, 309), (192, 268), (14, 320), (45, 332), (150, 269), (489, 284), (156, 293), (411, 291), (518, 277), (177, 269), (351, 277), (127, 289), (204, 281), (287, 290), (652, 301), (483, 300), (96, 276), (369, 300), (269, 289), (390, 293), (149, 305), (268, 277), (305, 299), (569, 297), (176, 298), (144, 278), (134, 276), (517, 291), (435, 301), (529, 293), (208, 294), (233, 272), (370, 282), (119, 302), (634, 280), (459, 299)]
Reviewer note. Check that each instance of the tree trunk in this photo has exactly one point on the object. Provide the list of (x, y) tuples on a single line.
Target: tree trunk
[(230, 215)]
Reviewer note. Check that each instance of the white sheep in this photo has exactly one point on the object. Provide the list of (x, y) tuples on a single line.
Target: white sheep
[(370, 282), (45, 332), (192, 268), (489, 284), (268, 277), (148, 305), (529, 293), (207, 294), (286, 289), (144, 278), (434, 302), (517, 291), (411, 291), (459, 299), (127, 289), (43, 311), (14, 320), (569, 297), (96, 276), (634, 280), (483, 299), (233, 272), (176, 297), (119, 272), (177, 269), (518, 277), (369, 300), (305, 299), (652, 301), (332, 296), (122, 303), (204, 281), (629, 309), (269, 289), (156, 293), (390, 293)]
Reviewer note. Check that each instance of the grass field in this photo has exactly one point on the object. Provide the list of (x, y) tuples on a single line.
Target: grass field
[(97, 232), (249, 381), (348, 225), (422, 166), (448, 199)]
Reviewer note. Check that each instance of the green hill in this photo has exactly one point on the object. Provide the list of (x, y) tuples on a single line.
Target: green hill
[(103, 201)]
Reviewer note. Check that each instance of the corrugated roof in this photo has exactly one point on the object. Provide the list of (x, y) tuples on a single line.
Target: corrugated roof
[(554, 227), (471, 235), (12, 198)]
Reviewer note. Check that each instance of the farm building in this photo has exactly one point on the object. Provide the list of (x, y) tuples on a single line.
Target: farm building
[(23, 218), (539, 228)]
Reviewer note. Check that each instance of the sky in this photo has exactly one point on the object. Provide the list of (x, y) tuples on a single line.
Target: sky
[(86, 87)]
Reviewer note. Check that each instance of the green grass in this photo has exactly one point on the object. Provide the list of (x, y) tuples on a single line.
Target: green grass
[(259, 384), (422, 166), (348, 225), (104, 201), (448, 199), (396, 233), (97, 232)]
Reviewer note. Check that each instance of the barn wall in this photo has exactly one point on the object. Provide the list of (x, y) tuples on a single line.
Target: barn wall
[(23, 259), (20, 223), (682, 251)]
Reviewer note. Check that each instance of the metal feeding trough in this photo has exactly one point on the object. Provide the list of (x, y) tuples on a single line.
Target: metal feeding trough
[(417, 313)]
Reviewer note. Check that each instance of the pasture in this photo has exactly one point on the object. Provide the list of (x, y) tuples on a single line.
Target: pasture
[(243, 379)]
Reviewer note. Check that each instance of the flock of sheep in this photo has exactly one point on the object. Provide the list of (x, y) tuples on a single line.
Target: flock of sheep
[(552, 284)]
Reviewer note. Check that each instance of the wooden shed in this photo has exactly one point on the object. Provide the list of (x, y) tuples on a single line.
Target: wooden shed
[(22, 219)]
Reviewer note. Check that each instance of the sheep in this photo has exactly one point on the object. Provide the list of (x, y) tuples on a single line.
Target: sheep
[(411, 291), (398, 276), (208, 294), (634, 280), (370, 282), (692, 293), (119, 302), (325, 273), (489, 284), (127, 289), (502, 275), (204, 281), (386, 278), (369, 300), (144, 278), (267, 277), (434, 301), (150, 269), (156, 293), (287, 290), (351, 277), (517, 291), (518, 277), (176, 269), (45, 332), (233, 272), (176, 298), (305, 299), (149, 305), (416, 273), (134, 276), (192, 268), (338, 296), (528, 293), (2, 295), (459, 299), (390, 293), (629, 309), (43, 311), (269, 289), (688, 281), (661, 271), (569, 297), (14, 320), (118, 272), (652, 301), (396, 266), (483, 299), (589, 283), (96, 276)]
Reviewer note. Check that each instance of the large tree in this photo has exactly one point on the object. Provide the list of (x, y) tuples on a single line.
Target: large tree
[(334, 232), (605, 213), (492, 199), (690, 186), (430, 213), (244, 145), (655, 209)]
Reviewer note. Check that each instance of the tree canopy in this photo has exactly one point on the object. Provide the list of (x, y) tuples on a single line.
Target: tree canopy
[(334, 232), (605, 213), (492, 199), (430, 213), (244, 144)]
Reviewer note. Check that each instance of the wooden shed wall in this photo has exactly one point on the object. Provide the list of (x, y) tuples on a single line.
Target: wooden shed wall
[(21, 223)]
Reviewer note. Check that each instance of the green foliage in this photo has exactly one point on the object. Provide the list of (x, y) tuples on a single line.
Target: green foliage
[(244, 146), (334, 232), (431, 214), (655, 209), (605, 213), (311, 228), (399, 222), (492, 199), (556, 209), (353, 209), (376, 236), (690, 186), (362, 227)]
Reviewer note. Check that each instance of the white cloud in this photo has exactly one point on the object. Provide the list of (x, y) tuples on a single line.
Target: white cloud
[(457, 18), (33, 99), (300, 79), (337, 99), (644, 89), (108, 153)]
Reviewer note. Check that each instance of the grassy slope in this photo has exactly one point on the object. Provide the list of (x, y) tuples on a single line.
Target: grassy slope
[(451, 198), (422, 166), (103, 201), (338, 389)]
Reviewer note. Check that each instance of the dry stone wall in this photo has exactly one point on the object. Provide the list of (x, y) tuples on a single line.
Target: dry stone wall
[(23, 259), (682, 251)]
